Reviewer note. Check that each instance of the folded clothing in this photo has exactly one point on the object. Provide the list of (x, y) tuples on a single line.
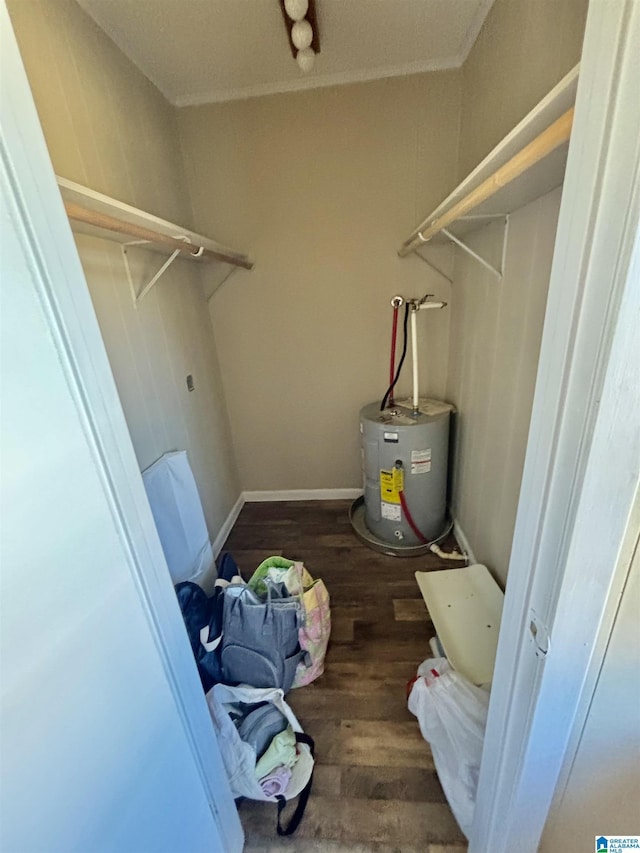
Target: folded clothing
[(280, 752), (276, 782), (275, 572)]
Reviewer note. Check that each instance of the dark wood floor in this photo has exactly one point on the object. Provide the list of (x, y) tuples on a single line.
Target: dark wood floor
[(375, 787)]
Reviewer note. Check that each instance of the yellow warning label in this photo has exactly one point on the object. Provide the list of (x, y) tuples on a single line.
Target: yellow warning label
[(391, 484)]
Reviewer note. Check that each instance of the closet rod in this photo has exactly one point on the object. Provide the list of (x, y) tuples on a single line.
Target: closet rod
[(546, 142), (110, 223)]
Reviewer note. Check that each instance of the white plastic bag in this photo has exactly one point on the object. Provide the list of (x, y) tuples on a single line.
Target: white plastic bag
[(452, 714), (239, 757)]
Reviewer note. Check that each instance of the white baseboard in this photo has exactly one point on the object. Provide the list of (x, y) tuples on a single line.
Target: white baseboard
[(303, 495), (228, 523), (462, 540), (293, 495)]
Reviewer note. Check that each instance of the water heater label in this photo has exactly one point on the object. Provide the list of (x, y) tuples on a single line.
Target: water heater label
[(420, 461), (391, 436), (391, 484), (390, 511)]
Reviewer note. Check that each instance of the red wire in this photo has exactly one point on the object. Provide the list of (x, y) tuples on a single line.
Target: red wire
[(409, 518), (392, 370)]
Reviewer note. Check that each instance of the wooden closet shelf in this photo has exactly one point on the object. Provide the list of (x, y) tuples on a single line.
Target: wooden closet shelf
[(98, 214), (529, 162)]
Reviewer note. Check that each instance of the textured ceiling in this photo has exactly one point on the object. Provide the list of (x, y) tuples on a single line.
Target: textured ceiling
[(199, 51)]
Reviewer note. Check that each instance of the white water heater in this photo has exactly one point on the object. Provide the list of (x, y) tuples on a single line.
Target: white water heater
[(405, 458)]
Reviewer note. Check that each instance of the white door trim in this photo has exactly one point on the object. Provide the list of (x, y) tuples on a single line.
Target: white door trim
[(569, 556), (73, 326)]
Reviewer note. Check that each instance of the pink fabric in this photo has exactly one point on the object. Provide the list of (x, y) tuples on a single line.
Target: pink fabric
[(276, 782), (314, 634)]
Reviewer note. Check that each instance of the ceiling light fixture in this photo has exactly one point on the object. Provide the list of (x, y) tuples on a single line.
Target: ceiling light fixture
[(296, 9), (305, 59), (302, 34), (302, 29)]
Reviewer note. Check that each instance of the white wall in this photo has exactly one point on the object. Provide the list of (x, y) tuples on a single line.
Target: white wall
[(324, 185), (603, 790), (523, 50), (109, 128), (496, 329)]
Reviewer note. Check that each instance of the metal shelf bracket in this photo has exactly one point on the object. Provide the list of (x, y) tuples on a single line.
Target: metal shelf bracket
[(138, 297), (218, 286), (433, 266), (498, 272)]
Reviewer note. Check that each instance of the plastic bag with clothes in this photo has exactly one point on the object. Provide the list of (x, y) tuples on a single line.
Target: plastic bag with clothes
[(452, 713), (241, 752)]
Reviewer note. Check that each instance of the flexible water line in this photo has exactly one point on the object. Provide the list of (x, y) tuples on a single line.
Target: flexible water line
[(410, 521), (405, 324), (396, 302), (433, 546), (411, 306)]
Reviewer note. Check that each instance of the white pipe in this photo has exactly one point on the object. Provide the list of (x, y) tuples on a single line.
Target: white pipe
[(415, 307), (414, 357), (447, 555), (424, 305)]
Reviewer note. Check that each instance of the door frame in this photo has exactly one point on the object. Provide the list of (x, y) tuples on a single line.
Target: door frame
[(578, 513), (66, 304)]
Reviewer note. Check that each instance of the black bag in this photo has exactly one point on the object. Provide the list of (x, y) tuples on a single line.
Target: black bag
[(203, 620)]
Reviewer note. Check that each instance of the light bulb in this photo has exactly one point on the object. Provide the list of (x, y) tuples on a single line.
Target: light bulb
[(305, 59), (301, 34), (296, 9)]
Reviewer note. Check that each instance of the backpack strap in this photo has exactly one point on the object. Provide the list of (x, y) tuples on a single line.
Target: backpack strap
[(303, 797)]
